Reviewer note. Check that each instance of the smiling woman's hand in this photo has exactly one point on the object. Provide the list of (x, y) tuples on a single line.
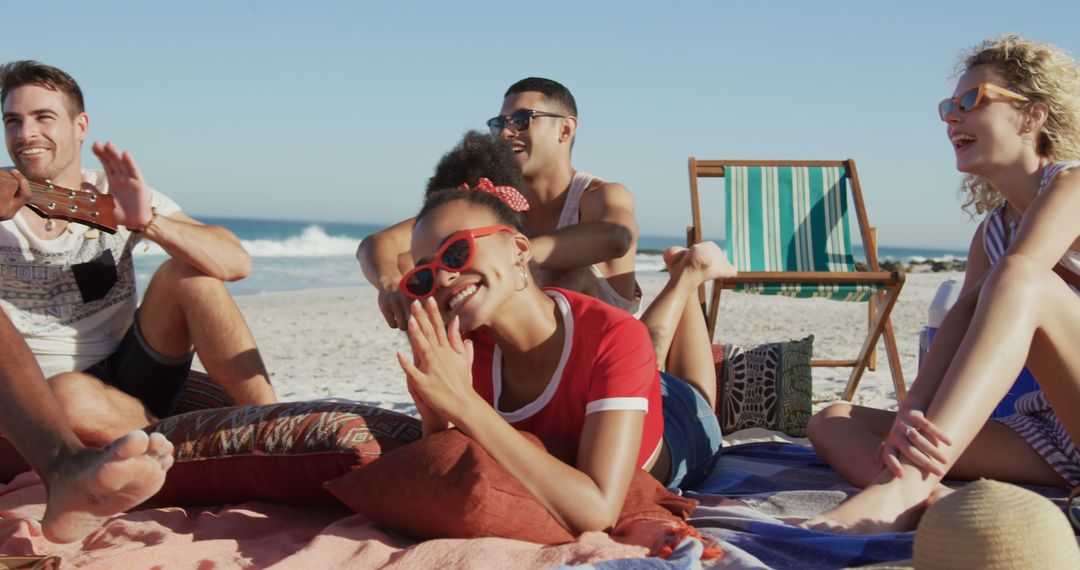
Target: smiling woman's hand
[(440, 374)]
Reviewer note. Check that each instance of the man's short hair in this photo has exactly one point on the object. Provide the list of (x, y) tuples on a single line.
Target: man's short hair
[(553, 91), (27, 72)]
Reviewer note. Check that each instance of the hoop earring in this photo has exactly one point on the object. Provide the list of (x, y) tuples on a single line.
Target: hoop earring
[(524, 278)]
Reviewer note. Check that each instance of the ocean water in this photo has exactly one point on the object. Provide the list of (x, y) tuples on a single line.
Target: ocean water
[(293, 255)]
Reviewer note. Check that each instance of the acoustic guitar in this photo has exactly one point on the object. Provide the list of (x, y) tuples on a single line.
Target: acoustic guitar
[(81, 206)]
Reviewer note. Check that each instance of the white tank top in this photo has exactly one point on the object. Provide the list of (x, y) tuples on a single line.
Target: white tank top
[(571, 214)]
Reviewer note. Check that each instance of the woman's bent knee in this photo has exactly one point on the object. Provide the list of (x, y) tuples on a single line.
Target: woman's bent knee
[(817, 424)]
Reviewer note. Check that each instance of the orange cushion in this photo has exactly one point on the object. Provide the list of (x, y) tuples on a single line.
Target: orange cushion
[(447, 486), (277, 452)]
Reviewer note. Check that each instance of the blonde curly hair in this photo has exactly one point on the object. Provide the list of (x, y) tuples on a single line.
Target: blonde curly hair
[(1041, 72)]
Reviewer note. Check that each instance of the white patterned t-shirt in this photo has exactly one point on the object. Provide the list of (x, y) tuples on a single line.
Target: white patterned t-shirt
[(72, 297)]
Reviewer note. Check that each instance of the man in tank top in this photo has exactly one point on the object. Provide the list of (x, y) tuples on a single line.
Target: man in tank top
[(583, 229)]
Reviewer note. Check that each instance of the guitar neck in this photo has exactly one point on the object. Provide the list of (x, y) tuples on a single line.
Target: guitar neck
[(80, 206)]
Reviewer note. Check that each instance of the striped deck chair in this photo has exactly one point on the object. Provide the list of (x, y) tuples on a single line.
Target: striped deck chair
[(788, 234)]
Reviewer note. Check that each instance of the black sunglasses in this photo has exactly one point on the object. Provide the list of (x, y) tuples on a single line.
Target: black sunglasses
[(520, 120)]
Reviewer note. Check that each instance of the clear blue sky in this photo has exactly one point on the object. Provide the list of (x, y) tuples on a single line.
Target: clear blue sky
[(338, 111)]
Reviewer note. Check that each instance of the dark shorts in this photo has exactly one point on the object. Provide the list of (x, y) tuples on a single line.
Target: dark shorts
[(138, 370), (691, 433)]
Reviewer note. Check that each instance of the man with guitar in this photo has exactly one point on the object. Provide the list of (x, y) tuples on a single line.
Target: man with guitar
[(85, 484), (69, 288)]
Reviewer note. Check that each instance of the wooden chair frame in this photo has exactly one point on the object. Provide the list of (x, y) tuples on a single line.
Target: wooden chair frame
[(880, 306)]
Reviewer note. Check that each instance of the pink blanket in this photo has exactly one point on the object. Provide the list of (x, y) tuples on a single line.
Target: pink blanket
[(262, 535)]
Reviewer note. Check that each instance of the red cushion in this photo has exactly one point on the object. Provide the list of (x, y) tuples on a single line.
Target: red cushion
[(278, 452), (718, 357), (11, 462), (447, 486)]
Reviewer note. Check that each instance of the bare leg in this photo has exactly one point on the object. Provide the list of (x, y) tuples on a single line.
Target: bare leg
[(848, 436), (84, 485), (183, 308), (1023, 310), (677, 327), (97, 413)]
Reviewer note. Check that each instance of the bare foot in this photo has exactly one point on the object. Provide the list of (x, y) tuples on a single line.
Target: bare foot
[(673, 255), (99, 483), (880, 508), (705, 260)]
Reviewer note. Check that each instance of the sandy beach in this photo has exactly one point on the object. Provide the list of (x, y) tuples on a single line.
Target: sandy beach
[(326, 343)]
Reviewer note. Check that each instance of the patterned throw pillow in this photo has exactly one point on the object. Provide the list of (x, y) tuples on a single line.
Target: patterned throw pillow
[(201, 393), (276, 452), (766, 386)]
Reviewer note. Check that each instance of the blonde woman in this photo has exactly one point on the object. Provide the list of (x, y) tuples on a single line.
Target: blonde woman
[(1014, 124)]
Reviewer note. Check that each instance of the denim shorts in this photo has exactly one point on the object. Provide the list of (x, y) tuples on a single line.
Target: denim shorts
[(691, 433), (138, 370)]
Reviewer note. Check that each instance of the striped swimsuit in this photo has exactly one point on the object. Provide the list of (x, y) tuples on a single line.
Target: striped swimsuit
[(1034, 419)]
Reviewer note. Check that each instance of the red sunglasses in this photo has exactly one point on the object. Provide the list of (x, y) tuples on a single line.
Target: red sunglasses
[(455, 255)]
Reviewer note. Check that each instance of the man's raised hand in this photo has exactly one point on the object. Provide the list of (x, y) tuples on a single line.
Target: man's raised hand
[(126, 185)]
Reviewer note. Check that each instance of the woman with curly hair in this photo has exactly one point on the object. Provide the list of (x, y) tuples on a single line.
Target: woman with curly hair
[(1014, 125)]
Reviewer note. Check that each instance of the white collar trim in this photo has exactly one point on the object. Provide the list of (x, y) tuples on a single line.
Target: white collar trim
[(530, 409)]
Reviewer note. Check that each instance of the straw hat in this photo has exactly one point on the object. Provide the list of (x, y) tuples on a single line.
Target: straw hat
[(991, 525)]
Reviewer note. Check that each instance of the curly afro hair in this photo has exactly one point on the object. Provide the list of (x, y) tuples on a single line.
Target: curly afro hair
[(478, 155), (493, 204)]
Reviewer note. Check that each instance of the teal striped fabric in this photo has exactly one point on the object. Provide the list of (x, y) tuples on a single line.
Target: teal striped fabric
[(791, 219)]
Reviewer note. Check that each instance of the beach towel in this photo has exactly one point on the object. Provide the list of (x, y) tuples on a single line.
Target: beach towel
[(264, 535), (745, 502), (758, 488)]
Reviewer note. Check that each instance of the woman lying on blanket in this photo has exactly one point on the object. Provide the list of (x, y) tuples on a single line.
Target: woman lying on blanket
[(494, 353), (1014, 124)]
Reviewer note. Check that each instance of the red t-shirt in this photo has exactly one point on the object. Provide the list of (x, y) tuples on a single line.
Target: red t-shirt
[(607, 364)]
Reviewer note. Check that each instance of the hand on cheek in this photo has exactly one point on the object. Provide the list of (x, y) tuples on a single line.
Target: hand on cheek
[(440, 374)]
